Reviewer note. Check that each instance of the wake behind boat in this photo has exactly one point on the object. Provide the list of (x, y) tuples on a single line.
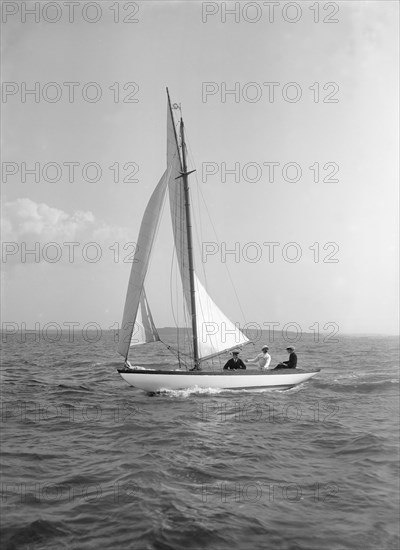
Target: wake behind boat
[(211, 332)]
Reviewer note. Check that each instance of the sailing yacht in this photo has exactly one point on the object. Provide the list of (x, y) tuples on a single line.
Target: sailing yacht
[(201, 310)]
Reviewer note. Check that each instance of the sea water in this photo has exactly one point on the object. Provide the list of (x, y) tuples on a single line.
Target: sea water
[(91, 463)]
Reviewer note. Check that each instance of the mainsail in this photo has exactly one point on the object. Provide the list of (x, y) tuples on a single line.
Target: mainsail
[(178, 210), (214, 331)]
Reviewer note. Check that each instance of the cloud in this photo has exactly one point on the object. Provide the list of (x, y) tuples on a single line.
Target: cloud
[(25, 219), (27, 226)]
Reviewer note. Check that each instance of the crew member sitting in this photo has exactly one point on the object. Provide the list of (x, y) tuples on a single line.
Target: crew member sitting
[(235, 362), (292, 363), (263, 359)]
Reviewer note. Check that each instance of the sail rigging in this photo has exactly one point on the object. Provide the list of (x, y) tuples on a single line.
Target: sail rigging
[(212, 332)]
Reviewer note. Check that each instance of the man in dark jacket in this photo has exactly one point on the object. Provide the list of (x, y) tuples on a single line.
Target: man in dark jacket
[(292, 363), (235, 362)]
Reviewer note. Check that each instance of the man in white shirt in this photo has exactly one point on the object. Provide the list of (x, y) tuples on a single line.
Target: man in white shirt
[(263, 359)]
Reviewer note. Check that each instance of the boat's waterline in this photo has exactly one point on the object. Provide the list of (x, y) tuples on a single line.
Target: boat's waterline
[(158, 380)]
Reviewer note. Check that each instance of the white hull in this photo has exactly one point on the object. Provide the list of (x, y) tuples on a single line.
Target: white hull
[(156, 381)]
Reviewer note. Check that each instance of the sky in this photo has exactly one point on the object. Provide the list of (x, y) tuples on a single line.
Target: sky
[(309, 87)]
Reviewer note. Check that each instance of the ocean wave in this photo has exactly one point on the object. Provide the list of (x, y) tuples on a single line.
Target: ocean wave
[(197, 468), (38, 531), (366, 387)]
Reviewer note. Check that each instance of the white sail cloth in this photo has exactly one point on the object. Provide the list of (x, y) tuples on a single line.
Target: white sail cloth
[(144, 330), (140, 264), (216, 333), (178, 210)]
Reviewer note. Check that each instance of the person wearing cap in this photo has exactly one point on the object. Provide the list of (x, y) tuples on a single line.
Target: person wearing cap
[(263, 359), (292, 363), (235, 362)]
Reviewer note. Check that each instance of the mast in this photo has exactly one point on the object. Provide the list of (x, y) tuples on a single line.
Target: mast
[(185, 174)]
